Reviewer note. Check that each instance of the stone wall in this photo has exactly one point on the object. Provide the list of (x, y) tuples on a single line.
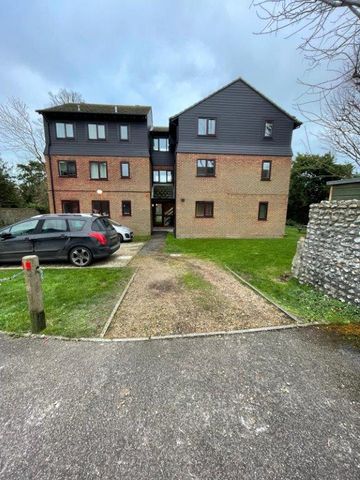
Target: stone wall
[(329, 257), (13, 215)]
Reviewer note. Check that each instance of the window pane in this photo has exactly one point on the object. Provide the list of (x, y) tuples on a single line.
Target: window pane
[(71, 168), (103, 170), (268, 129), (94, 170), (169, 176), (54, 225), (124, 132), (101, 131), (69, 130), (202, 126), (162, 176), (92, 131), (105, 208), (266, 166), (62, 168), (60, 130), (200, 209), (201, 167), (126, 208), (263, 210), (211, 167), (155, 176), (163, 144), (211, 127), (24, 228), (209, 209), (76, 225), (156, 144), (125, 170)]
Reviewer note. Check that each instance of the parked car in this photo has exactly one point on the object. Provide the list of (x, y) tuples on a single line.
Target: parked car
[(78, 238), (125, 233)]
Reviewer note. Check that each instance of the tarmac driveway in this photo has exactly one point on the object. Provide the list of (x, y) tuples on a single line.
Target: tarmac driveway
[(273, 405)]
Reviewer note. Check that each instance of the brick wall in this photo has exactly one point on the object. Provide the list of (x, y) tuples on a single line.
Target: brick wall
[(115, 189), (236, 191)]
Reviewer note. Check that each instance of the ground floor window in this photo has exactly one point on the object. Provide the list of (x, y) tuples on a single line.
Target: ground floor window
[(126, 208), (71, 206), (102, 207), (263, 210), (204, 209)]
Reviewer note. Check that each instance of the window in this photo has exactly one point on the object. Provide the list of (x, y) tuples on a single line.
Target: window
[(125, 169), (64, 130), (70, 206), (124, 133), (268, 133), (76, 225), (263, 210), (54, 225), (126, 208), (98, 170), (96, 131), (207, 126), (204, 209), (266, 170), (205, 168), (24, 228), (162, 176), (67, 168), (101, 207), (161, 144)]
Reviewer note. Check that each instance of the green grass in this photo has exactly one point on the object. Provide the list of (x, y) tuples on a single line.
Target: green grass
[(193, 281), (266, 264), (77, 302)]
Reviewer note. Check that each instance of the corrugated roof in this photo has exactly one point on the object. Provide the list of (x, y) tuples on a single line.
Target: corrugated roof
[(98, 108), (297, 122), (344, 181)]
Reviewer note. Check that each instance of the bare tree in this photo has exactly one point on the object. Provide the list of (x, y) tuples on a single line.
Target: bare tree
[(19, 133), (330, 33), (339, 118), (65, 96)]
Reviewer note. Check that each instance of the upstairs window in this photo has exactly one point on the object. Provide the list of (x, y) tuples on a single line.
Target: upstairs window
[(125, 169), (266, 170), (161, 144), (268, 131), (206, 127), (204, 209), (96, 131), (124, 133), (98, 170), (162, 176), (263, 211), (205, 168), (67, 168), (64, 130)]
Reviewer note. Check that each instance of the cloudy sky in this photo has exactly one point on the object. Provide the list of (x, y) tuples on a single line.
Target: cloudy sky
[(164, 53)]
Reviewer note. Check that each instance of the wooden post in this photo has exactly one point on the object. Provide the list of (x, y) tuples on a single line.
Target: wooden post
[(30, 265)]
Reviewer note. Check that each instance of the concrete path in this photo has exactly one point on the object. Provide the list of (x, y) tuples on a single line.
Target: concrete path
[(155, 245), (277, 405)]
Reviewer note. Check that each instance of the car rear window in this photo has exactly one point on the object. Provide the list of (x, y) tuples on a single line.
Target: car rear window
[(101, 224), (76, 225)]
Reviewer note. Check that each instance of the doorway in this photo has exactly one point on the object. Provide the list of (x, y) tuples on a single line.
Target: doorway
[(163, 214)]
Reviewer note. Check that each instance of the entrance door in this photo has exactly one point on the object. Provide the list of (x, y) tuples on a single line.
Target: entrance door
[(163, 214)]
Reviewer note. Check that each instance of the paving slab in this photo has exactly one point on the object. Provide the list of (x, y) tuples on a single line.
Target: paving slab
[(275, 405)]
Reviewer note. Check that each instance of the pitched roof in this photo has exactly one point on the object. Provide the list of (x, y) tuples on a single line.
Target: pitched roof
[(297, 122), (344, 181), (98, 108)]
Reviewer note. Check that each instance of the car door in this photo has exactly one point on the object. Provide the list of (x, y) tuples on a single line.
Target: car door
[(51, 239), (17, 241)]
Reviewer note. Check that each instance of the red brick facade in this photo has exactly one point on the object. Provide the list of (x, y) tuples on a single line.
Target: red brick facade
[(81, 188)]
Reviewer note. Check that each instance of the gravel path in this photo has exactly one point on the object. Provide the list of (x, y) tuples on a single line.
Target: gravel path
[(172, 295)]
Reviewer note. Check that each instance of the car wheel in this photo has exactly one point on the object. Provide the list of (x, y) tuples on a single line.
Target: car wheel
[(121, 238), (80, 256)]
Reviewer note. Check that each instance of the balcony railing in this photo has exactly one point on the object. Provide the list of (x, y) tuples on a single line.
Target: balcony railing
[(163, 191)]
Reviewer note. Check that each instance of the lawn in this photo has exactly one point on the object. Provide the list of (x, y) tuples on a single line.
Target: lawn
[(266, 264), (77, 301)]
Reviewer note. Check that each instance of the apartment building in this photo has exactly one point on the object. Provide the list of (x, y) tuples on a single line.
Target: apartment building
[(221, 167)]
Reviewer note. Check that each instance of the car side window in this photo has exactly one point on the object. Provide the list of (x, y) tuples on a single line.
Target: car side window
[(24, 228), (76, 225), (54, 225)]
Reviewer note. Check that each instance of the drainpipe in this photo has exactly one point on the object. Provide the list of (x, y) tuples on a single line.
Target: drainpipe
[(50, 166)]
